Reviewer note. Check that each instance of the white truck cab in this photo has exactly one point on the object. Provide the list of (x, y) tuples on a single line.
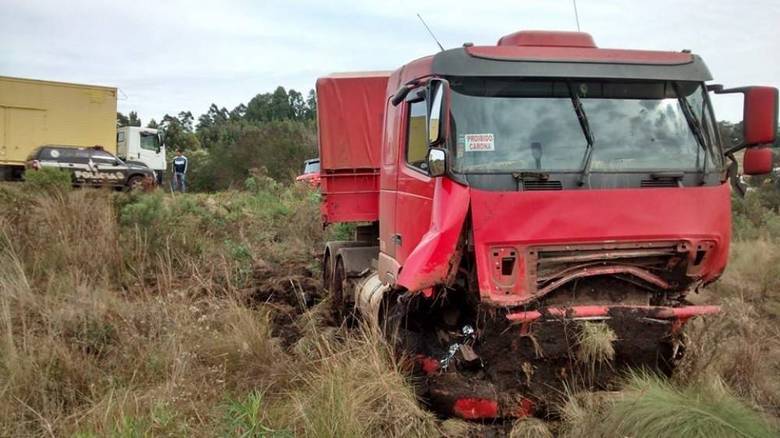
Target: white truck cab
[(142, 145)]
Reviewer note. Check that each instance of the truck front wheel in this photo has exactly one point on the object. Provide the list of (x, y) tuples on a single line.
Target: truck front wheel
[(135, 183)]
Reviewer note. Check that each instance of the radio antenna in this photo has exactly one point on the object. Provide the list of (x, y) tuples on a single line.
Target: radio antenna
[(576, 15), (430, 32)]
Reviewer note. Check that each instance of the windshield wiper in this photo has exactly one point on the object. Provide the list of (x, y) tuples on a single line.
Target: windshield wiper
[(693, 124), (583, 119)]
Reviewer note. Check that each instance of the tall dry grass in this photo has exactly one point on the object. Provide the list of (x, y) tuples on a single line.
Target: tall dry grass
[(741, 345), (147, 315), (120, 311), (354, 388)]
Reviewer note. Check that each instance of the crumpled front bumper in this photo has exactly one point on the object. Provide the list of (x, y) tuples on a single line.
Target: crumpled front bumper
[(527, 357)]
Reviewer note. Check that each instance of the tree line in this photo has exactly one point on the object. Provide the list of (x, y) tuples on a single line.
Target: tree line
[(273, 134)]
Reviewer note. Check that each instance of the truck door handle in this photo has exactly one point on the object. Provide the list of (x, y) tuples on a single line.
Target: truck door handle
[(396, 239)]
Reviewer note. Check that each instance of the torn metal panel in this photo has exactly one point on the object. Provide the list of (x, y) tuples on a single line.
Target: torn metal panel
[(436, 257)]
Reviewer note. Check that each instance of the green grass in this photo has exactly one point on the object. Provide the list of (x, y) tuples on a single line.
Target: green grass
[(595, 343), (244, 418), (651, 407)]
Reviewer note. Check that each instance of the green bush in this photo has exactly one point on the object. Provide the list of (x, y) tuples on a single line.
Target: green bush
[(145, 211), (650, 406), (756, 215), (280, 146), (48, 180)]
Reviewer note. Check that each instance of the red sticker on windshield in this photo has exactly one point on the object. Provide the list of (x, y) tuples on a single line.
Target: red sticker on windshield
[(479, 142)]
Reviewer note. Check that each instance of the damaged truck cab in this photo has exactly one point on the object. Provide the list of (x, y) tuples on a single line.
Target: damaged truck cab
[(505, 195)]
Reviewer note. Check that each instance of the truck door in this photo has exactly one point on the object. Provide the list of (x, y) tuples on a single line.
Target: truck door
[(414, 186), (388, 177), (150, 151)]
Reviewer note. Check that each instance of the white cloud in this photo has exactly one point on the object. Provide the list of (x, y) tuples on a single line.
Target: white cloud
[(184, 55)]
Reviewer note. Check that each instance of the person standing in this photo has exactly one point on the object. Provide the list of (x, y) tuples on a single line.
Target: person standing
[(179, 172)]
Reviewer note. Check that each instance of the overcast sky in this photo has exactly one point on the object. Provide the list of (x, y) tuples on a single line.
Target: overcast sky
[(168, 56)]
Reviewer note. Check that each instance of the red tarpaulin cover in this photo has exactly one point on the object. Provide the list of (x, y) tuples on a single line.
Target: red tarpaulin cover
[(350, 111)]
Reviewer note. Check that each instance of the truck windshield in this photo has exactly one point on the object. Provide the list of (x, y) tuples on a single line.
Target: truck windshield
[(311, 167), (508, 125), (149, 141)]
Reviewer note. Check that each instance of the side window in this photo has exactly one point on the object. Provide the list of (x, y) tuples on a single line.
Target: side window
[(120, 136), (69, 155), (149, 141), (79, 155), (416, 135), (50, 154), (103, 156), (390, 134)]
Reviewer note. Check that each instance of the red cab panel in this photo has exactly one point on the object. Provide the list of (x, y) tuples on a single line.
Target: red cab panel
[(522, 222)]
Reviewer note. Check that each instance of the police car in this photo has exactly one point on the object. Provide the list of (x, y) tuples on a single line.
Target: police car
[(91, 166)]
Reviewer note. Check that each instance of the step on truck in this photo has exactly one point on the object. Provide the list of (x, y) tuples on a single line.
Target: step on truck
[(506, 198)]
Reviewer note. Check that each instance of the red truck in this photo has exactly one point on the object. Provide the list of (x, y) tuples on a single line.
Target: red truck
[(504, 195), (311, 173)]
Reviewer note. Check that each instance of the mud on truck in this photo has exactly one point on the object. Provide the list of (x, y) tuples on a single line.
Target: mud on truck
[(506, 196)]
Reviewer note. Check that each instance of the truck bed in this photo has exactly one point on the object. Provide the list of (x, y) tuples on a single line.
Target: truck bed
[(350, 113)]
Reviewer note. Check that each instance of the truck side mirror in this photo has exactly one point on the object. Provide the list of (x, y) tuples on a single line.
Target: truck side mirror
[(402, 92), (759, 121), (438, 111), (437, 162), (760, 115), (160, 141), (757, 161)]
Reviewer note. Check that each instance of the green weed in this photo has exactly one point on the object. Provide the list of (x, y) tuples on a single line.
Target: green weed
[(650, 407), (244, 418)]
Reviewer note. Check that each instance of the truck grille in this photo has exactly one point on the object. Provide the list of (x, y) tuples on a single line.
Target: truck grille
[(660, 182), (542, 185), (550, 264)]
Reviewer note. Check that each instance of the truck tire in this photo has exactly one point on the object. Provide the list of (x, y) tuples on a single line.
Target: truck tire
[(337, 289), (135, 183), (327, 271)]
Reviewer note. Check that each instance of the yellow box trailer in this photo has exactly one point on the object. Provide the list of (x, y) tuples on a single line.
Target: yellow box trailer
[(34, 113)]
